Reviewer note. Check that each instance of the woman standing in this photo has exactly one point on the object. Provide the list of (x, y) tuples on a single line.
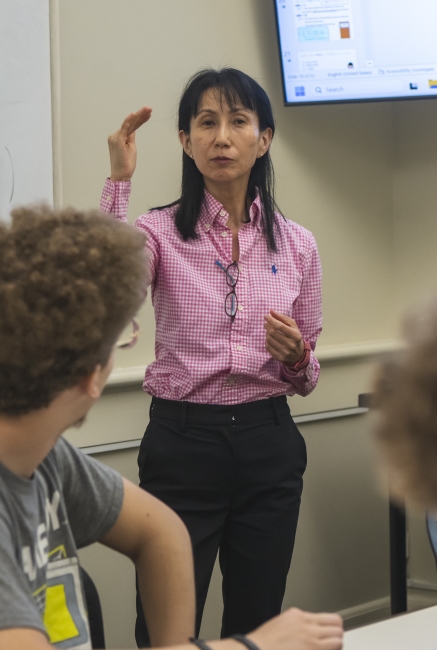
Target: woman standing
[(237, 298)]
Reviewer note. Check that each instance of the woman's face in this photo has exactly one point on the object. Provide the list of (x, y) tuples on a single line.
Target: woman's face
[(224, 142)]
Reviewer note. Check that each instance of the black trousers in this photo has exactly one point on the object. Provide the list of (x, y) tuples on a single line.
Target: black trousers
[(234, 476)]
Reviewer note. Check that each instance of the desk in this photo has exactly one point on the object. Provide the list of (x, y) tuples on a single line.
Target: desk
[(415, 631)]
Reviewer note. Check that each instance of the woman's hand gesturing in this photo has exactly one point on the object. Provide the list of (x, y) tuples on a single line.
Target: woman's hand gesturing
[(122, 149), (283, 338)]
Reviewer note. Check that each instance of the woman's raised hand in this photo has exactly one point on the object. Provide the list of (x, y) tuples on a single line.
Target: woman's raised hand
[(122, 149)]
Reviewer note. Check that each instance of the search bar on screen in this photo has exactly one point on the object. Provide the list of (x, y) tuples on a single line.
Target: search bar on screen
[(352, 88)]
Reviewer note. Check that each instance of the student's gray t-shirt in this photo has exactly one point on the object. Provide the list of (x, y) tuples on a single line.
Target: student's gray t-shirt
[(70, 502)]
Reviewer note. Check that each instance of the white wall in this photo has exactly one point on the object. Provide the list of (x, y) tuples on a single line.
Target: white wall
[(355, 175), (414, 201)]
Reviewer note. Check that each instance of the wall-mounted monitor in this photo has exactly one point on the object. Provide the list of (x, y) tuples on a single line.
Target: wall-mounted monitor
[(357, 50)]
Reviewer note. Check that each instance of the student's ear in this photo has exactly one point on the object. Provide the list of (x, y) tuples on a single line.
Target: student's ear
[(94, 383), (91, 385)]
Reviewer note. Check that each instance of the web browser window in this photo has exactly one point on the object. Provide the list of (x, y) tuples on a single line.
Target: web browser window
[(351, 50)]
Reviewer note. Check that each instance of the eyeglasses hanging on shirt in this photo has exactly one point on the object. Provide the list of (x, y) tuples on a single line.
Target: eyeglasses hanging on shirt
[(231, 300)]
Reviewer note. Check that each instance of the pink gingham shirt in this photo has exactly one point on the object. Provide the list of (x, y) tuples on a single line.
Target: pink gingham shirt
[(201, 355)]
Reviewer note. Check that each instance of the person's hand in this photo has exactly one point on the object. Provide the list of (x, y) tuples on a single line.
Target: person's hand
[(298, 630), (283, 338), (122, 149)]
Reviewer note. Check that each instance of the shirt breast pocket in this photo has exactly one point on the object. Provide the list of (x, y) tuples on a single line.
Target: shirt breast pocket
[(279, 292)]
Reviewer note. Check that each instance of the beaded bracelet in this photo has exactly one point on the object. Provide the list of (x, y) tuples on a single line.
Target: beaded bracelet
[(245, 641), (238, 637)]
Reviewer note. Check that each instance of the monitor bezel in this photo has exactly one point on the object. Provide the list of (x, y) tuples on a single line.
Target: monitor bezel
[(331, 102)]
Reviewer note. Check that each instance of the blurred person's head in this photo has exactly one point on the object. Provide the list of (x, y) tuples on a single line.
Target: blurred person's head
[(70, 281), (406, 399)]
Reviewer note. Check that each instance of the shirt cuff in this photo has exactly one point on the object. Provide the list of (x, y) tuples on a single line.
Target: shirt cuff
[(304, 376), (115, 197), (289, 375)]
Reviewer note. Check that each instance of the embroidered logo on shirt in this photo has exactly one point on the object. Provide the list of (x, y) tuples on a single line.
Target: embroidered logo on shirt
[(274, 270)]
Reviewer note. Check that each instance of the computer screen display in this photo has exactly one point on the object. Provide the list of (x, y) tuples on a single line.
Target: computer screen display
[(357, 50)]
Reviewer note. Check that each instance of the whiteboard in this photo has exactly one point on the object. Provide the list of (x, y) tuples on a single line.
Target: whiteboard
[(26, 169)]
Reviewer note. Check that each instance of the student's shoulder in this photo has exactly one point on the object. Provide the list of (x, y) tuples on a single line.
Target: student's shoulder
[(65, 459), (63, 449), (61, 454), (79, 471)]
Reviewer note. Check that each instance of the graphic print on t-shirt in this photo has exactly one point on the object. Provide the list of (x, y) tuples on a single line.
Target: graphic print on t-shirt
[(60, 598), (65, 616)]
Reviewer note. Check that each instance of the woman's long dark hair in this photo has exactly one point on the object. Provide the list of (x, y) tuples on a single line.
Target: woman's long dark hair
[(236, 88)]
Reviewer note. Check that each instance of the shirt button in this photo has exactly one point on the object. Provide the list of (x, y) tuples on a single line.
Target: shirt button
[(224, 233), (223, 213), (107, 198), (240, 307), (208, 226), (239, 347)]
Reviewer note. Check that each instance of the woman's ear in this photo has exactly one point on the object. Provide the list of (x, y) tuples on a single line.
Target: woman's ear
[(184, 139), (265, 141)]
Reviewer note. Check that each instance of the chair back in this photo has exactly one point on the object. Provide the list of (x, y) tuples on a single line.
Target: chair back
[(94, 608)]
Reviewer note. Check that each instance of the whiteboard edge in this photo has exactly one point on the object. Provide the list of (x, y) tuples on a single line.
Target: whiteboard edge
[(55, 75)]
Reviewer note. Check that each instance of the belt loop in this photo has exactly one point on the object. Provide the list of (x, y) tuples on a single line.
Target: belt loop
[(275, 410), (183, 418), (152, 403)]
